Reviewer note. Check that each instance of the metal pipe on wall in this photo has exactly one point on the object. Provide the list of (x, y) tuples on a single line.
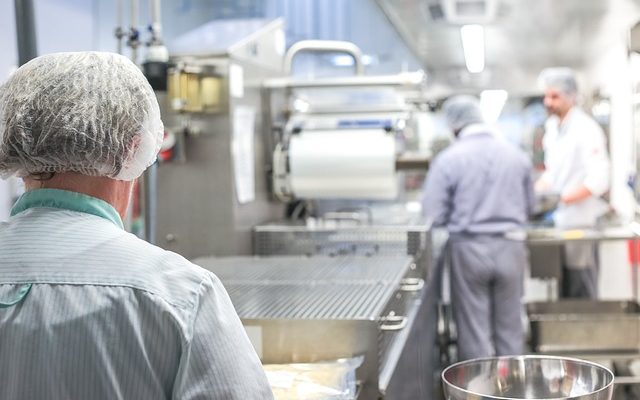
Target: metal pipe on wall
[(156, 26), (26, 31), (150, 202), (151, 174), (119, 32), (134, 34)]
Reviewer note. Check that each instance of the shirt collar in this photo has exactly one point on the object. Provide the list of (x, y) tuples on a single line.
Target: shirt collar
[(476, 129), (67, 200)]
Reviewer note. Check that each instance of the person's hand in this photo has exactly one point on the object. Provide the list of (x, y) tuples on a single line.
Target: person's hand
[(577, 195)]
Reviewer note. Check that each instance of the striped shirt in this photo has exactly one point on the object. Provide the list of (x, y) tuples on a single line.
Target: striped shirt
[(89, 311)]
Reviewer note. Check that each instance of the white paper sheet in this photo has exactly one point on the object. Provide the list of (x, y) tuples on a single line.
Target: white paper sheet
[(236, 81), (243, 153)]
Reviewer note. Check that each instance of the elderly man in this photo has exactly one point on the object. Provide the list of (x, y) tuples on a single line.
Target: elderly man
[(89, 311), (480, 188), (577, 167)]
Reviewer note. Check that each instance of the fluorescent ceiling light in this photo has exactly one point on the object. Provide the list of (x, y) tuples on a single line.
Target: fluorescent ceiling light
[(491, 103), (473, 46), (343, 61)]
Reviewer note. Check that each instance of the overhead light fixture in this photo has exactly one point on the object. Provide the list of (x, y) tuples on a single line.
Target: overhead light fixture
[(491, 104), (343, 60), (473, 46)]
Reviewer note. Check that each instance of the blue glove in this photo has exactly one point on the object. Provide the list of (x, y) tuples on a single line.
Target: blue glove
[(548, 217)]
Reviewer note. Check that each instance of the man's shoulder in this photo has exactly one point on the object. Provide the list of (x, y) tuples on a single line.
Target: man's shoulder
[(451, 152), (131, 262), (162, 266), (164, 275), (80, 249), (587, 121)]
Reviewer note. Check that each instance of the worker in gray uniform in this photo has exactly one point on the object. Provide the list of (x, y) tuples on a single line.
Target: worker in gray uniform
[(480, 188)]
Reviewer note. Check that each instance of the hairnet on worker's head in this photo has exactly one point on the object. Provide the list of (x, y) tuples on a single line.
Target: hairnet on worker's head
[(88, 112), (560, 78), (462, 110)]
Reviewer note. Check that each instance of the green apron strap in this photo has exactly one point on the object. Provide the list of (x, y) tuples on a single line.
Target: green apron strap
[(22, 293)]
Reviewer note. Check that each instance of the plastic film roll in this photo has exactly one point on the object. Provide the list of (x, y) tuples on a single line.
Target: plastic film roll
[(358, 164)]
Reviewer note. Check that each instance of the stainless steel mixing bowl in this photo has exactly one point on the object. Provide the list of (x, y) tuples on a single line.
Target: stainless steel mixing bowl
[(527, 377)]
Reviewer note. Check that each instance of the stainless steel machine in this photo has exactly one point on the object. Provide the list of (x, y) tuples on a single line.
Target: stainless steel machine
[(232, 114), (341, 138), (212, 189), (304, 310)]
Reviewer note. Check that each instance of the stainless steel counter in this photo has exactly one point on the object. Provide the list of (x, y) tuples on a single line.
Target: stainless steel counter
[(310, 309), (337, 238), (545, 246), (536, 236)]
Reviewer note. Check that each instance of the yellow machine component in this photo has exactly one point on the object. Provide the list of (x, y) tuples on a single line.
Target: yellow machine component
[(194, 92), (573, 234)]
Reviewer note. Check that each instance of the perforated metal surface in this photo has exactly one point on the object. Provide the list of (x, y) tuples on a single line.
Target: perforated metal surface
[(316, 270), (322, 301), (347, 288), (323, 308)]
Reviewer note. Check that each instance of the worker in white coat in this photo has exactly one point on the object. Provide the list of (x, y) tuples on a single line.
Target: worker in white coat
[(480, 188), (577, 168), (87, 310)]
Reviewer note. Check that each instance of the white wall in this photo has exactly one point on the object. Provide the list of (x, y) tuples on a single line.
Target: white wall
[(61, 25), (8, 46), (612, 76)]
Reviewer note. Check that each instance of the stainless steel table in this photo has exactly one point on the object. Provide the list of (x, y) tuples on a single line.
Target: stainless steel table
[(604, 335), (542, 236), (309, 309)]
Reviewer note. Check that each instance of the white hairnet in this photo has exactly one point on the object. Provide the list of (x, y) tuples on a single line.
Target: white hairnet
[(561, 78), (462, 110), (88, 112)]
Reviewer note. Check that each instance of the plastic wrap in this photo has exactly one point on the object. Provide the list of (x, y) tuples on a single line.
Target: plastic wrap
[(357, 164), (326, 380)]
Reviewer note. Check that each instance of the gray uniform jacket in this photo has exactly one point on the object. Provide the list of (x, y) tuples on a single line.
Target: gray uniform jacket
[(479, 185)]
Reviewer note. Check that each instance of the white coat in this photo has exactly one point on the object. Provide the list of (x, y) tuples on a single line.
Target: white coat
[(575, 155)]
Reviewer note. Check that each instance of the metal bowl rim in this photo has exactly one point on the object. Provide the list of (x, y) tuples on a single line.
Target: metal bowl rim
[(524, 357)]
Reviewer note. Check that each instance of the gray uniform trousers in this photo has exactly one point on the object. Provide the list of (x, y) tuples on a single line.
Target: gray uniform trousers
[(487, 274)]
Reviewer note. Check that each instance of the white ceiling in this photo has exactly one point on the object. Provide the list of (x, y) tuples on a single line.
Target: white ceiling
[(524, 37)]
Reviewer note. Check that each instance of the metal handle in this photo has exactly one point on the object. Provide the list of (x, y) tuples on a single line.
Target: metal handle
[(399, 322), (412, 284), (343, 216), (324, 46), (626, 380)]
